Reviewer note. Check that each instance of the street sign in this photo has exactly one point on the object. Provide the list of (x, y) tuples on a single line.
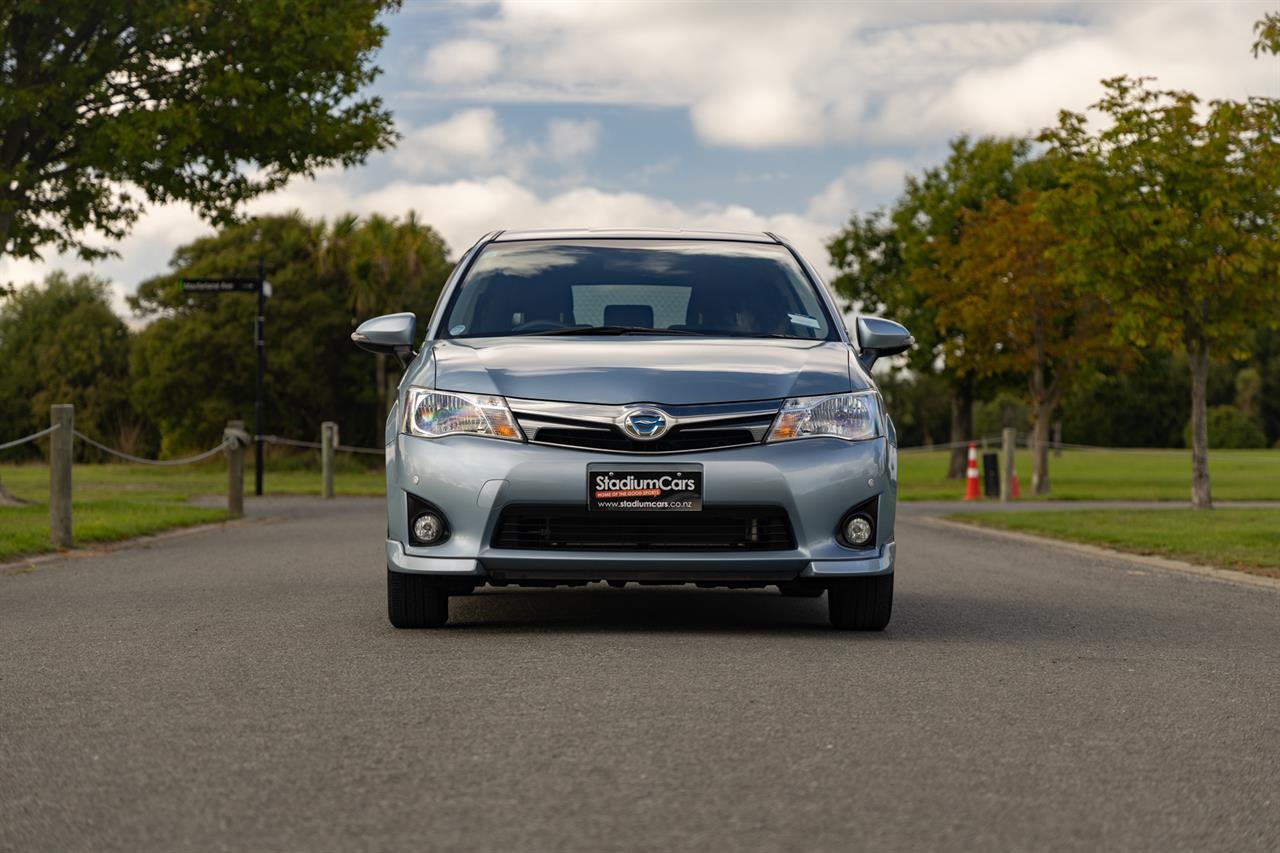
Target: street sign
[(262, 288), (220, 285)]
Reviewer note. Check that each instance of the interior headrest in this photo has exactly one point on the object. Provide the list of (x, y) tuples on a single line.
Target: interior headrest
[(628, 315)]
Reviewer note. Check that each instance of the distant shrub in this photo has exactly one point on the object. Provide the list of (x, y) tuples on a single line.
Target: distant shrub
[(1006, 409), (1230, 428)]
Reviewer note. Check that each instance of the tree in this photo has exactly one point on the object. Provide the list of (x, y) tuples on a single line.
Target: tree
[(60, 342), (387, 265), (878, 254), (1013, 313), (106, 106), (1142, 406), (1268, 30), (1171, 209), (192, 366)]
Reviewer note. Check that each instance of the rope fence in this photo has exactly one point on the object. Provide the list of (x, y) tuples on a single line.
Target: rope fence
[(1027, 442), (235, 439), (26, 438), (187, 460), (129, 457), (317, 445)]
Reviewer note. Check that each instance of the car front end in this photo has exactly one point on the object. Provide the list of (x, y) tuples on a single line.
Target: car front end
[(560, 447)]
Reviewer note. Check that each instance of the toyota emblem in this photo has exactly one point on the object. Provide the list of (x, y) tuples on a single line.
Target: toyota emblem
[(645, 424)]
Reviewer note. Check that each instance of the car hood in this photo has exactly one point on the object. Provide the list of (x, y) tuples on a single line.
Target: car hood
[(636, 369)]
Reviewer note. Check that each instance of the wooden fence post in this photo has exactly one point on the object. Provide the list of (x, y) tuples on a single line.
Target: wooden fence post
[(61, 444), (1010, 440), (328, 449), (236, 439)]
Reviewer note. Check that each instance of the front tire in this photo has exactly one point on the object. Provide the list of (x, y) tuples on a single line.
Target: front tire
[(861, 604), (414, 601)]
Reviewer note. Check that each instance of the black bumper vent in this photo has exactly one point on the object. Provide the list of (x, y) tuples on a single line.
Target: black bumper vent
[(574, 528)]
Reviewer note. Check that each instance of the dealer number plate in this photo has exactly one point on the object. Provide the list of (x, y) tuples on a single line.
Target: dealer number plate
[(631, 488)]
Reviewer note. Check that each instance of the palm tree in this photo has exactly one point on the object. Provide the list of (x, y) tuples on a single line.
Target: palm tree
[(386, 265)]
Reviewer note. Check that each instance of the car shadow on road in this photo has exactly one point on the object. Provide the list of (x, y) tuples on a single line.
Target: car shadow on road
[(674, 609), (929, 616)]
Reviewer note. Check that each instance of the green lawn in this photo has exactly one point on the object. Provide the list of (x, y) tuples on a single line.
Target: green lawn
[(113, 502), (1139, 475), (1245, 539)]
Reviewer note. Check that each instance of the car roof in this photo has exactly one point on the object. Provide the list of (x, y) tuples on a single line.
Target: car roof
[(631, 234)]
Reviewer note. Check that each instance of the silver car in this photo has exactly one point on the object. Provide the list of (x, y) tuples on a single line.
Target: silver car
[(653, 407)]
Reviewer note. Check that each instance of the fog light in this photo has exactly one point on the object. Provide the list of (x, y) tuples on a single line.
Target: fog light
[(858, 530), (428, 527)]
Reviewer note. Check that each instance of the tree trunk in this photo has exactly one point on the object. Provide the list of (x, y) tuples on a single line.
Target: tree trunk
[(380, 382), (961, 431), (1040, 441), (1201, 496)]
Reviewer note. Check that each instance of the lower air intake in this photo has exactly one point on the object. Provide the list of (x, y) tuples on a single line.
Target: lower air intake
[(574, 528)]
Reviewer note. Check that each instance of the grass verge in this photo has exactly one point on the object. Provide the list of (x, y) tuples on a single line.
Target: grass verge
[(113, 502), (1244, 539), (1102, 475)]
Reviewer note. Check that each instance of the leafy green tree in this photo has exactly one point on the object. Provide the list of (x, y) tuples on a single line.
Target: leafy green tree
[(387, 265), (919, 405), (879, 256), (1231, 428), (1248, 384), (1015, 314), (1171, 210), (108, 105), (1266, 358), (1268, 30), (1142, 406), (60, 342), (193, 364)]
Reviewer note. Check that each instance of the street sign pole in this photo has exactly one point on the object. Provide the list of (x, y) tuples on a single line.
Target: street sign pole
[(262, 288), (260, 345)]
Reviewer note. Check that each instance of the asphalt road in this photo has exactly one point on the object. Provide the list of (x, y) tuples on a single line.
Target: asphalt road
[(240, 689)]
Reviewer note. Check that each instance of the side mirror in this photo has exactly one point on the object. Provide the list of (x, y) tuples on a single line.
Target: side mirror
[(390, 333), (878, 337)]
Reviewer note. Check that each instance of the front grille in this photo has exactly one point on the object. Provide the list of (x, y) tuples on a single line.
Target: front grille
[(575, 528), (677, 440)]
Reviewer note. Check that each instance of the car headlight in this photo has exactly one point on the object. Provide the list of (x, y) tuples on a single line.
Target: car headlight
[(432, 414), (848, 416)]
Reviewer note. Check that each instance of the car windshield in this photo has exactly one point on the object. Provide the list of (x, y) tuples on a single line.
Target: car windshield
[(623, 287)]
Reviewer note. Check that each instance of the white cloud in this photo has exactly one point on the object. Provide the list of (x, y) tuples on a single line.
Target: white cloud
[(860, 187), (567, 139), (146, 252), (469, 139), (461, 61), (464, 210), (764, 75), (473, 142), (759, 116)]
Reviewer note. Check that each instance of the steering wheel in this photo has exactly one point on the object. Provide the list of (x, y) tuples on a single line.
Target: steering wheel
[(539, 326)]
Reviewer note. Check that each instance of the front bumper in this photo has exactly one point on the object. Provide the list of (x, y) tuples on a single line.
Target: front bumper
[(471, 479)]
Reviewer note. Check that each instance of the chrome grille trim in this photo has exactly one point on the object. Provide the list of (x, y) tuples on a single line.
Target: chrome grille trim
[(754, 417)]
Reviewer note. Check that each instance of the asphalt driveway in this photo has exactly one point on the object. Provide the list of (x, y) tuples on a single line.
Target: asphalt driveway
[(240, 689)]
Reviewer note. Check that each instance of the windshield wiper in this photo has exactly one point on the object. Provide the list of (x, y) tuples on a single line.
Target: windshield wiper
[(614, 330)]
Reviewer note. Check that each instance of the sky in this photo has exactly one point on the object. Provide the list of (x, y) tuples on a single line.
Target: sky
[(742, 116)]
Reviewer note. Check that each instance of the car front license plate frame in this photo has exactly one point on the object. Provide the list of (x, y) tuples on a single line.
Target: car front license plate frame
[(645, 488)]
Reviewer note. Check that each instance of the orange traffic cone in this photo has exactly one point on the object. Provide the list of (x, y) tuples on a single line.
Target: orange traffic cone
[(972, 491)]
